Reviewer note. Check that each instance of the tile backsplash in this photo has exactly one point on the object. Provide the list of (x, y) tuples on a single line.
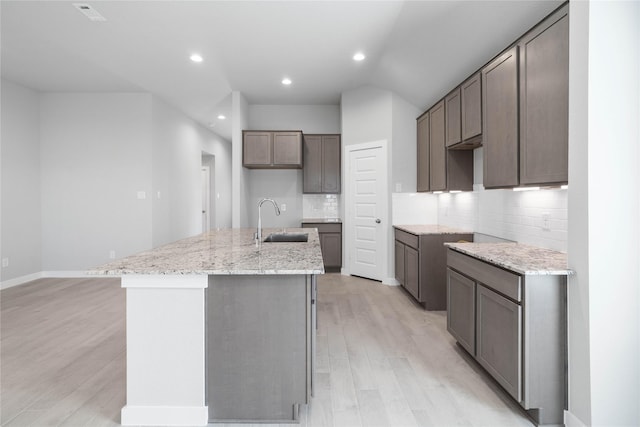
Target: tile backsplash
[(320, 206), (537, 218)]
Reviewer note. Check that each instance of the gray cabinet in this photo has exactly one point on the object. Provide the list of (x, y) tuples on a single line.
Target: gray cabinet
[(500, 121), (421, 265), (525, 95), (453, 115), (330, 235), (321, 170), (440, 169), (518, 324), (423, 153), (544, 102), (272, 149), (437, 149), (499, 339), (471, 111), (461, 310)]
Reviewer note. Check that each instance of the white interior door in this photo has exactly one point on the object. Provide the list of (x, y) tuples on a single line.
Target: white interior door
[(367, 210)]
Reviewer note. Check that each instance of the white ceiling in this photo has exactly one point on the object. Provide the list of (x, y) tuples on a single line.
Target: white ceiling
[(418, 49)]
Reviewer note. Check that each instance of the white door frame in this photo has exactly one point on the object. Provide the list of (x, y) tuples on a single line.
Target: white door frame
[(384, 210), (206, 197)]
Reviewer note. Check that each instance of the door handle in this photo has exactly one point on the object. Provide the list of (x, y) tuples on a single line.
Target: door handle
[(377, 220)]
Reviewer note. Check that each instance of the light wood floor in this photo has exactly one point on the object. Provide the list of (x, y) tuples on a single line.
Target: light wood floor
[(381, 359)]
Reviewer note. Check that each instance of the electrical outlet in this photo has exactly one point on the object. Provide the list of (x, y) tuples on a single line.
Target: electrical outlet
[(112, 254), (142, 195), (398, 187), (283, 207), (5, 262), (546, 222)]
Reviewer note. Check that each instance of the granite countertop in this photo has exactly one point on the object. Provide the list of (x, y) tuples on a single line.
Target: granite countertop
[(225, 252), (322, 221), (519, 258), (431, 229)]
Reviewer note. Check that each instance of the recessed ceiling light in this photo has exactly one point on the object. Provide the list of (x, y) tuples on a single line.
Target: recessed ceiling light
[(196, 58), (359, 56), (286, 81), (222, 117)]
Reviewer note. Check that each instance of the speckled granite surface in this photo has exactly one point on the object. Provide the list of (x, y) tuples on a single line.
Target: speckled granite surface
[(322, 221), (225, 252), (522, 259), (431, 229)]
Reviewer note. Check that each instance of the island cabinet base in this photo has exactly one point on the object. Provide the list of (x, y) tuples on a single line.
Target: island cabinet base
[(165, 350), (260, 340)]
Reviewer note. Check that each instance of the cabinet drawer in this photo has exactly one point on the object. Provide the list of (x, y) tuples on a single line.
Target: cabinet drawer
[(407, 238), (502, 281)]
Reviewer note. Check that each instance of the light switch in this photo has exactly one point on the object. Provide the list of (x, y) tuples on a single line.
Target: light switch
[(5, 262), (283, 207), (398, 187), (142, 195)]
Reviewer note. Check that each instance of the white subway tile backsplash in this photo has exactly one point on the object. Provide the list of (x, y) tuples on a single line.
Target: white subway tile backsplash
[(509, 214), (414, 208), (320, 206)]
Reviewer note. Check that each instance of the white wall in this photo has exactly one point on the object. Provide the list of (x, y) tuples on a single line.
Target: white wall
[(96, 157), (307, 118), (239, 198), (403, 145), (21, 240), (604, 213)]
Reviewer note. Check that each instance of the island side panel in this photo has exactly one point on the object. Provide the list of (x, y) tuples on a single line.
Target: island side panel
[(258, 334), (165, 350)]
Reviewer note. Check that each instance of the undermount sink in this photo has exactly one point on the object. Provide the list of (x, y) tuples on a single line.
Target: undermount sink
[(287, 237)]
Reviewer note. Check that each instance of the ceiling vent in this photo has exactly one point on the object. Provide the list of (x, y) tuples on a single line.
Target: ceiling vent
[(89, 12)]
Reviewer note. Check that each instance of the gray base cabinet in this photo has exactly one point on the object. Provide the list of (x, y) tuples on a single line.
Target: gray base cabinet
[(420, 266), (260, 347), (330, 243), (515, 326)]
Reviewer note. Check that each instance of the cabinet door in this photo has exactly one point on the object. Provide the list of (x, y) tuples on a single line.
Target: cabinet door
[(331, 245), (452, 118), (312, 169), (331, 176), (461, 310), (423, 153), (412, 271), (399, 257), (437, 150), (287, 149), (471, 96), (499, 339), (544, 102), (256, 148), (500, 139)]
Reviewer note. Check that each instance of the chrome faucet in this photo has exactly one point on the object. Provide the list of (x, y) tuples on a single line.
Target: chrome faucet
[(259, 232)]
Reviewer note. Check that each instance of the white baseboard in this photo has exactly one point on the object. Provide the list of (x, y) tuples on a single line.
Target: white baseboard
[(164, 415), (571, 420), (47, 274), (20, 280), (390, 281)]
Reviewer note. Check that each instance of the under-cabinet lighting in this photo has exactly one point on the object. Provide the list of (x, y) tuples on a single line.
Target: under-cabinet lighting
[(438, 192), (359, 56), (564, 187), (196, 57), (222, 117), (455, 191), (526, 188), (286, 81)]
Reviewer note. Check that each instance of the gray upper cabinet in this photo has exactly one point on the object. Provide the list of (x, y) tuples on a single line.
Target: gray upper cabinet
[(471, 111), (272, 149), (500, 121), (423, 153), (453, 118), (321, 170), (437, 149), (544, 102)]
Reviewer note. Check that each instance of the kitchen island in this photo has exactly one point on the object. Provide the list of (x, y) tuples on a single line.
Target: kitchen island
[(219, 328)]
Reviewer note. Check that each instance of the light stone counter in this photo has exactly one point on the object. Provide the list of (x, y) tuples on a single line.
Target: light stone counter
[(322, 221), (431, 229), (224, 252), (519, 258)]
